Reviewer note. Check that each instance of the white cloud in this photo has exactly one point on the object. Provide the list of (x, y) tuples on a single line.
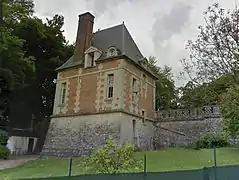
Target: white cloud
[(160, 28)]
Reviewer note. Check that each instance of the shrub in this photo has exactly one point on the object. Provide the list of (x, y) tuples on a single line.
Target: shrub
[(112, 158), (211, 141), (192, 146), (3, 136), (4, 152)]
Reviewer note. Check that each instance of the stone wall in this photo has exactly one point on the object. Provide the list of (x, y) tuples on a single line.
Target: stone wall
[(181, 133), (180, 127), (79, 135)]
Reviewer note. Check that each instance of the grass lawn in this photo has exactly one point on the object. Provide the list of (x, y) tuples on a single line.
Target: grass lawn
[(163, 160)]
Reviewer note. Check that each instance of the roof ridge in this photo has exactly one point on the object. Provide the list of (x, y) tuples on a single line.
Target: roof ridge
[(108, 28)]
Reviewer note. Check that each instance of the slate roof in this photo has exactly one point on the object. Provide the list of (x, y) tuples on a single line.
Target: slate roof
[(117, 36)]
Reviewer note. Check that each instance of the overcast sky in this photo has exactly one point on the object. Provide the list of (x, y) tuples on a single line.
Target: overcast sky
[(160, 28)]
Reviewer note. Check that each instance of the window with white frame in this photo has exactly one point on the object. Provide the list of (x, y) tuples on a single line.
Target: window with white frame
[(144, 82), (89, 60), (134, 90), (63, 93), (92, 58), (110, 85)]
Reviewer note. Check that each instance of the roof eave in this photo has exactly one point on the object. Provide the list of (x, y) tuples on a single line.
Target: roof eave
[(64, 68), (110, 58), (140, 66)]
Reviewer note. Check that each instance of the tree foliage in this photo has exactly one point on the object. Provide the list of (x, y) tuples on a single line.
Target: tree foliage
[(212, 140), (4, 152), (112, 158), (198, 95), (31, 51), (230, 111), (215, 51), (213, 64), (14, 65), (46, 43), (166, 94)]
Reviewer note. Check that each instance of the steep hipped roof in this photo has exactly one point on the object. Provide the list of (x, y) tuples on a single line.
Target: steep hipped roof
[(117, 36)]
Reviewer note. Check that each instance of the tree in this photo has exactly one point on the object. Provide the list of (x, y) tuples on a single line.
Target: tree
[(4, 109), (32, 50), (198, 95), (13, 64), (14, 67), (46, 43), (230, 111), (165, 89), (215, 51)]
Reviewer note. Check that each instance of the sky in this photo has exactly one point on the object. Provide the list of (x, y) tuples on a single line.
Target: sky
[(160, 28)]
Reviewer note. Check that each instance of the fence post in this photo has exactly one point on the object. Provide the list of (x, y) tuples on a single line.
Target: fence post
[(215, 162), (145, 166), (70, 166)]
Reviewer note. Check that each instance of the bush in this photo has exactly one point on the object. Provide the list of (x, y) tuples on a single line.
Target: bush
[(192, 146), (114, 159), (4, 152), (212, 140), (3, 137)]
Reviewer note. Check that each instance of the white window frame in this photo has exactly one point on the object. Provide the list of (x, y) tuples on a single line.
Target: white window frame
[(110, 86), (90, 59), (63, 93), (134, 90)]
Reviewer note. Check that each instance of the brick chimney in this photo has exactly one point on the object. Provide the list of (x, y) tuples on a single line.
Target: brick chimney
[(84, 34)]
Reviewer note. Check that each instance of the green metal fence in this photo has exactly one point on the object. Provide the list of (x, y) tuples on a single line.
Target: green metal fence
[(228, 172), (212, 173)]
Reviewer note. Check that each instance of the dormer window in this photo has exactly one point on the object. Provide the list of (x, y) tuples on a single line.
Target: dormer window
[(143, 62), (91, 56), (90, 60), (112, 51)]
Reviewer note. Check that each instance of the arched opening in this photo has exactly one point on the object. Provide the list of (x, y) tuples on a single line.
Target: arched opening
[(112, 51)]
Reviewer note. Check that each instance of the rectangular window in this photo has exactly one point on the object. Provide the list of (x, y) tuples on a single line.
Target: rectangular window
[(63, 93), (92, 57), (144, 77), (144, 82), (143, 114), (89, 60), (134, 90), (110, 85), (134, 128)]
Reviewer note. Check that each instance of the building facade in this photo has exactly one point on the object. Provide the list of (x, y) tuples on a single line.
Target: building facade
[(105, 89)]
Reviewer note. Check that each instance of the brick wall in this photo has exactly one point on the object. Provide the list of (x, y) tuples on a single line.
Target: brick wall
[(86, 89), (146, 88)]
